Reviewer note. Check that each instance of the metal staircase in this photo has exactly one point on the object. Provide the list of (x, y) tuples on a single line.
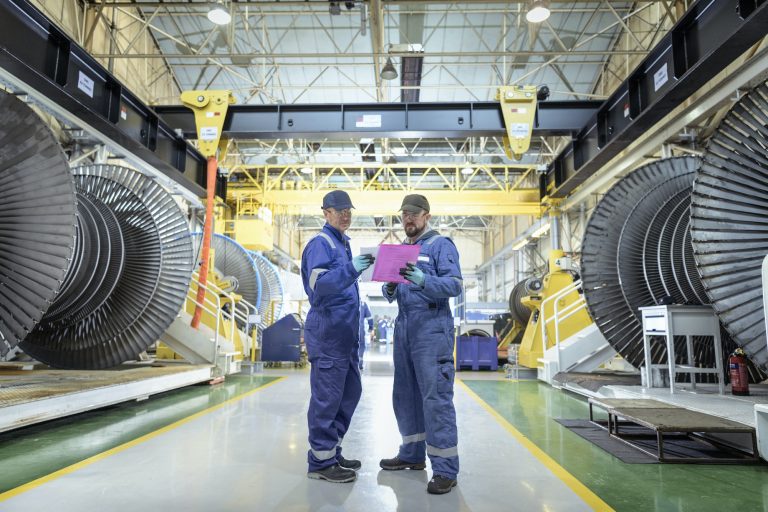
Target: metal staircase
[(234, 320), (584, 351)]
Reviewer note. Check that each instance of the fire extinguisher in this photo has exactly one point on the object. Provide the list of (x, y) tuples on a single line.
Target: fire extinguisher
[(737, 367)]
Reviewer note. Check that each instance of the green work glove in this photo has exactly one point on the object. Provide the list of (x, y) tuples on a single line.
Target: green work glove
[(413, 273), (391, 288), (362, 262)]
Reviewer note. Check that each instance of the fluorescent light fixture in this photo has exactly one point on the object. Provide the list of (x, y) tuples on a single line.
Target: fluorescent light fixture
[(538, 12), (307, 170), (540, 231), (366, 140), (399, 150), (519, 245), (219, 15), (466, 171)]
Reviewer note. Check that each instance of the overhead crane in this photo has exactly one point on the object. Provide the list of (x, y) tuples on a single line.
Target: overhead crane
[(38, 59)]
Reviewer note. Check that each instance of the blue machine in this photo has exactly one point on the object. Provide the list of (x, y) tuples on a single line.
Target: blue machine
[(281, 341)]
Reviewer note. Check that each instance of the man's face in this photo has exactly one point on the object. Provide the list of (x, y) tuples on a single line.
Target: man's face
[(339, 219), (414, 222)]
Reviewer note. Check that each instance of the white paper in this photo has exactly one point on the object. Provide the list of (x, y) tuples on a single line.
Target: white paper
[(367, 274)]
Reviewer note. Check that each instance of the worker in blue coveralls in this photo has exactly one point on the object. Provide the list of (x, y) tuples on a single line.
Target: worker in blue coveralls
[(422, 396), (365, 318), (331, 333)]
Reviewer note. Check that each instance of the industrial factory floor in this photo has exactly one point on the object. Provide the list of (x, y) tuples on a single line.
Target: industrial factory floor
[(242, 445)]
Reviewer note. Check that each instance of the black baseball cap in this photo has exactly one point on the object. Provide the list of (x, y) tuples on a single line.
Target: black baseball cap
[(414, 203), (337, 199)]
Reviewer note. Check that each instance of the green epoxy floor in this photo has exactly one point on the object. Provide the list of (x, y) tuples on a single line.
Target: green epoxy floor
[(531, 407), (38, 450)]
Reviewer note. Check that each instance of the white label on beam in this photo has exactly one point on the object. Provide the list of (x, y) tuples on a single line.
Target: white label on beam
[(209, 133), (85, 83), (368, 121), (660, 77)]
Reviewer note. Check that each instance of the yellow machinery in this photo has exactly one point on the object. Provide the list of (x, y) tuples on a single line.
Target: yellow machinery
[(226, 323), (509, 334), (252, 226), (518, 106), (555, 282)]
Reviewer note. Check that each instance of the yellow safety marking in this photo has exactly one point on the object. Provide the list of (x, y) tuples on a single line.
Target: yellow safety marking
[(103, 455), (592, 499)]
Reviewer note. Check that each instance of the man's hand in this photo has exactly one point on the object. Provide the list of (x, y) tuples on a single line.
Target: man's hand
[(391, 288), (413, 273), (362, 262)]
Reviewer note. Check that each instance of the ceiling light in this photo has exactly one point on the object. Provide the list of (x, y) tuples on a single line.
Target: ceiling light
[(538, 12), (466, 171), (219, 15), (388, 72), (307, 170)]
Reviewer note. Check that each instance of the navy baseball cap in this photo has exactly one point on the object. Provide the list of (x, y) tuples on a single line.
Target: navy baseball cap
[(337, 199)]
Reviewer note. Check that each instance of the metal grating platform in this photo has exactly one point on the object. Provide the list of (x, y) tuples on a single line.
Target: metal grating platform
[(661, 418)]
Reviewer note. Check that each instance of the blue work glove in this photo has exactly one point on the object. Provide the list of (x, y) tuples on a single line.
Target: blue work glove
[(362, 262), (413, 273)]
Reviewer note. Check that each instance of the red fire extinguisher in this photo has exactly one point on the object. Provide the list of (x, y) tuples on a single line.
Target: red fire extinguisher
[(737, 367)]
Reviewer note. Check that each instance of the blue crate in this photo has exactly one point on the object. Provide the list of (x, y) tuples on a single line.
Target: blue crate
[(476, 352)]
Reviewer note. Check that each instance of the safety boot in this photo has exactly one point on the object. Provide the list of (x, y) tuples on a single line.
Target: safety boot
[(349, 463), (397, 463), (440, 485), (335, 474)]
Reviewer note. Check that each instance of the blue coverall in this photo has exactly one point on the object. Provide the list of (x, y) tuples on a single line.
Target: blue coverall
[(331, 334), (382, 331), (365, 314), (422, 396)]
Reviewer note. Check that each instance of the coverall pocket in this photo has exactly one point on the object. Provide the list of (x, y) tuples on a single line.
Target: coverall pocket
[(324, 364), (445, 376)]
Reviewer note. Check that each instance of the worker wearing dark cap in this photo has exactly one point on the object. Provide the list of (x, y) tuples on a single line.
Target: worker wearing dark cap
[(331, 332), (422, 396)]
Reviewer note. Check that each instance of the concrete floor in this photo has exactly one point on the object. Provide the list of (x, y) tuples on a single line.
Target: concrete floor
[(242, 445), (250, 454)]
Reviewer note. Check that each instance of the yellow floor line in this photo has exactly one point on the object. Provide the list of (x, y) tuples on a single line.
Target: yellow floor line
[(592, 499), (117, 449)]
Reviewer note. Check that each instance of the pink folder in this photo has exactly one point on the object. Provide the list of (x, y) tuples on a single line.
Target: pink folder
[(391, 258)]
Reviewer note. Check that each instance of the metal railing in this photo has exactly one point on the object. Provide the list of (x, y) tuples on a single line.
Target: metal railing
[(559, 316), (238, 310)]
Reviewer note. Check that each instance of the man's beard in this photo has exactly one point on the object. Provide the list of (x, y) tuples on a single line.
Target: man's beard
[(412, 230)]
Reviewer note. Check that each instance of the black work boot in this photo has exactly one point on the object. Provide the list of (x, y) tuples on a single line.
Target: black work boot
[(398, 463), (440, 485), (335, 474), (349, 463)]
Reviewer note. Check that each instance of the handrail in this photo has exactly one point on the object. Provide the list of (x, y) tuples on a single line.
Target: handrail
[(576, 306), (215, 312), (542, 310), (239, 310), (559, 316)]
